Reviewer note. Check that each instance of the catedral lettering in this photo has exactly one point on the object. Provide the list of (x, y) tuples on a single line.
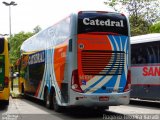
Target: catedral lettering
[(36, 58), (108, 22), (151, 71)]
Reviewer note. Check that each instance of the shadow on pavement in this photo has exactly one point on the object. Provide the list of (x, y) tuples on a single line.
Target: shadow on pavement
[(3, 107), (145, 103), (69, 113)]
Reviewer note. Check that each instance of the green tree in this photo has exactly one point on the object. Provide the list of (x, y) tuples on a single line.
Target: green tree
[(155, 28), (15, 44), (37, 29), (142, 13), (138, 26)]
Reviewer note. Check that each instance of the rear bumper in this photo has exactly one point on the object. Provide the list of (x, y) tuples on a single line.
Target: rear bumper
[(92, 100), (4, 94)]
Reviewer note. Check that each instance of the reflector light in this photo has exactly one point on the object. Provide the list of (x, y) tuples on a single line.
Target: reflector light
[(75, 82)]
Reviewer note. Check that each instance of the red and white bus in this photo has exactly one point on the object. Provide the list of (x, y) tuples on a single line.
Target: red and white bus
[(82, 60), (145, 68)]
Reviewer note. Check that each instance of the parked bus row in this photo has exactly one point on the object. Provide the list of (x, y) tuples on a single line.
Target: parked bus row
[(84, 60)]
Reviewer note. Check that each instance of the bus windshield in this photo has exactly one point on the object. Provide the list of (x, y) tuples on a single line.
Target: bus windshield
[(1, 45), (89, 22)]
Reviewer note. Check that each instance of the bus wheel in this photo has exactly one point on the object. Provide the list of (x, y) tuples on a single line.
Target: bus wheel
[(22, 91), (47, 99), (6, 102), (55, 105), (22, 88)]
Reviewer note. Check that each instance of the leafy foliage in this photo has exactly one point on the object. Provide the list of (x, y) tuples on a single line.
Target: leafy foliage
[(15, 44), (155, 28), (142, 13), (138, 26), (37, 29)]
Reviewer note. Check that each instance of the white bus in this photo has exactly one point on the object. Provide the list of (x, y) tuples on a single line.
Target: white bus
[(145, 66), (82, 60)]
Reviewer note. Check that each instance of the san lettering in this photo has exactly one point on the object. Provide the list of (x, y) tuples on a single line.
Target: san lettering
[(151, 71)]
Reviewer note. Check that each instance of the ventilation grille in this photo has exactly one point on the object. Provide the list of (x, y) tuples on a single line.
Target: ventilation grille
[(98, 62)]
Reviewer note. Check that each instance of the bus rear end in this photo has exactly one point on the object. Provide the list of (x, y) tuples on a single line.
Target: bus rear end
[(102, 76)]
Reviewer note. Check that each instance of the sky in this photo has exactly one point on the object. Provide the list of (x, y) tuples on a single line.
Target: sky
[(30, 13)]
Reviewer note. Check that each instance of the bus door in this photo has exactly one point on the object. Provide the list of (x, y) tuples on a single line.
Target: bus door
[(100, 65)]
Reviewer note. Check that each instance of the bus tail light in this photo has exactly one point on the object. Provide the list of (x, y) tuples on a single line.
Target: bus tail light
[(75, 82), (128, 84), (6, 82)]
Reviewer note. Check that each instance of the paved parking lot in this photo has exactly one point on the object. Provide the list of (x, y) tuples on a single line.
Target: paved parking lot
[(23, 109)]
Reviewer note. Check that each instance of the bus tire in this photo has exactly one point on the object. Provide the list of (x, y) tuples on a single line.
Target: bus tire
[(55, 105), (47, 99), (6, 102), (22, 91), (51, 98)]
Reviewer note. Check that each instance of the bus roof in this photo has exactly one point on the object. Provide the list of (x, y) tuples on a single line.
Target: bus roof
[(145, 38)]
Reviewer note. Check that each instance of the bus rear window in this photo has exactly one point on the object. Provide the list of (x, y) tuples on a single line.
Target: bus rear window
[(93, 22), (1, 45)]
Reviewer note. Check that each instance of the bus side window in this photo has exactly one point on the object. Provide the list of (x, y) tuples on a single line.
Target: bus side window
[(70, 45), (152, 53), (133, 59), (139, 55), (142, 55), (141, 59), (133, 55)]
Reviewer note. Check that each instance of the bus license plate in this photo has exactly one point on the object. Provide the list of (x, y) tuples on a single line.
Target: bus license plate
[(103, 98)]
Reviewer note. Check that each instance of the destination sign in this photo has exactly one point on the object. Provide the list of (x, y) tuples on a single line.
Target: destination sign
[(107, 22)]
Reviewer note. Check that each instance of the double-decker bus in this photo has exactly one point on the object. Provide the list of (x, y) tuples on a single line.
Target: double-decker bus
[(4, 71), (82, 60), (145, 66)]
